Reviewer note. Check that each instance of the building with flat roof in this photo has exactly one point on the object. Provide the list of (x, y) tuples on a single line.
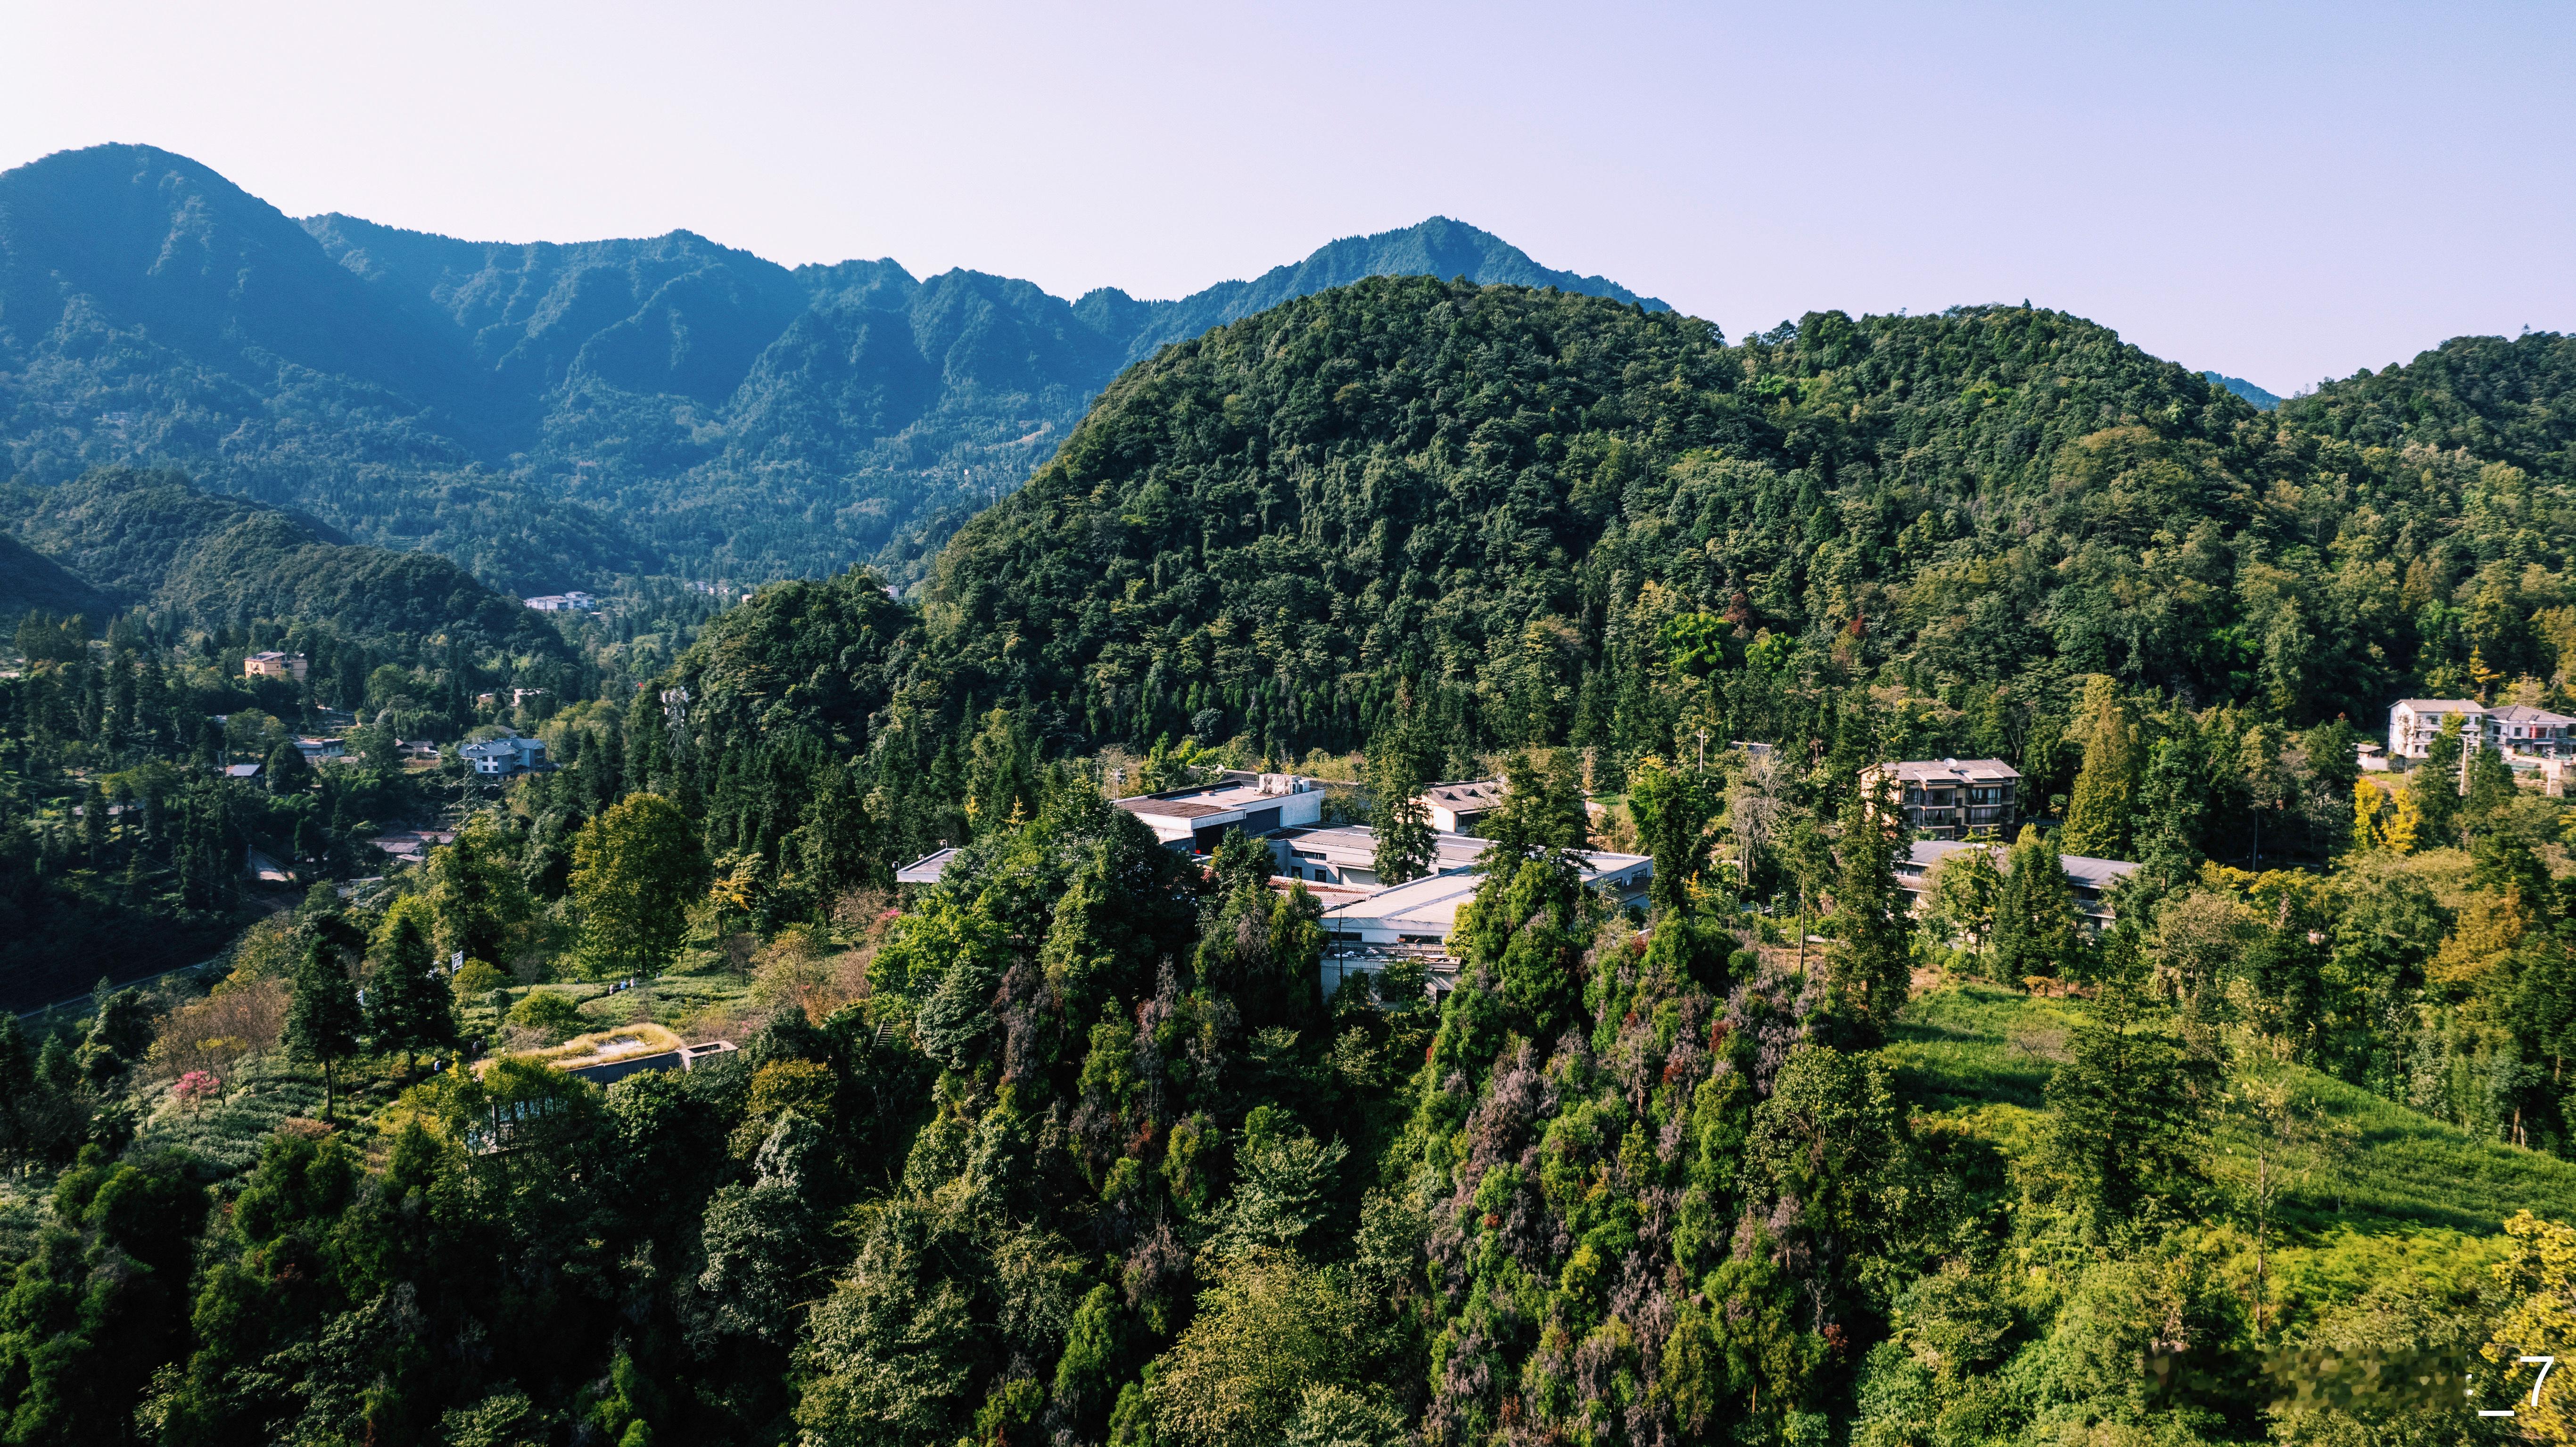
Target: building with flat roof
[(1346, 854), (1414, 920), (1194, 819), (2089, 879), (1951, 798)]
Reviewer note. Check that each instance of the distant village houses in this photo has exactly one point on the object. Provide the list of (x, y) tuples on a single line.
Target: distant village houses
[(572, 602), (1457, 808)]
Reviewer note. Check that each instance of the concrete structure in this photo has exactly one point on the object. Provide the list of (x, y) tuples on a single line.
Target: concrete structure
[(928, 869), (1193, 820), (1346, 854), (499, 758), (1458, 807), (316, 750), (571, 602), (2089, 878), (1413, 921), (1951, 798), (289, 666)]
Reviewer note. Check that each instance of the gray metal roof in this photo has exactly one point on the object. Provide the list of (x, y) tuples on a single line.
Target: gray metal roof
[(927, 869), (2082, 870)]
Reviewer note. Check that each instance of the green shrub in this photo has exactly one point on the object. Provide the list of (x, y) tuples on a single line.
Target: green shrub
[(545, 1010)]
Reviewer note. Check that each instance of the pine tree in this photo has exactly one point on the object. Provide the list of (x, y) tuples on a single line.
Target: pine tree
[(2434, 788), (1542, 807), (1872, 961), (2124, 1108), (322, 1015), (2491, 788), (2098, 814), (1402, 759), (1672, 808), (2035, 928), (409, 1007)]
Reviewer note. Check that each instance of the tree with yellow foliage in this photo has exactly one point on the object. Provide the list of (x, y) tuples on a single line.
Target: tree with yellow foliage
[(2540, 1281)]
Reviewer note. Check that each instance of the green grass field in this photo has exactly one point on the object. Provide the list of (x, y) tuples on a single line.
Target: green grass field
[(1979, 1058)]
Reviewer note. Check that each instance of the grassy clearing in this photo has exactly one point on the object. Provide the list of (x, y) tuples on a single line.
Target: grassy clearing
[(599, 1047), (1977, 1059)]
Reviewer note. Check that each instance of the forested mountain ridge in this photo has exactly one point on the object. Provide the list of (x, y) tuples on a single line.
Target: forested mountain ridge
[(150, 540), (1527, 501), (2510, 399), (550, 413), (2263, 400)]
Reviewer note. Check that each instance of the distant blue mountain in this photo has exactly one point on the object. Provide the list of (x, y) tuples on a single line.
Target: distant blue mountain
[(545, 413), (2263, 401)]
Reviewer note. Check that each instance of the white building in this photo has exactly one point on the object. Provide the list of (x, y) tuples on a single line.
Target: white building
[(1346, 854), (499, 758), (1458, 807), (572, 602), (2513, 729), (1414, 920), (1193, 820), (316, 750), (2518, 728), (2416, 722)]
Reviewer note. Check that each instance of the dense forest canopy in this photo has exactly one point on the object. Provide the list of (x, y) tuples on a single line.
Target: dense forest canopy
[(1530, 502), (549, 415)]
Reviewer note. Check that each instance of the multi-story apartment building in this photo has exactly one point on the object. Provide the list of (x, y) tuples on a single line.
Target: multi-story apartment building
[(1951, 798), (2518, 728), (2512, 729)]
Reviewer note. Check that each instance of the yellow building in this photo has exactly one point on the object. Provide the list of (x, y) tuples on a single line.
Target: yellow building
[(274, 665)]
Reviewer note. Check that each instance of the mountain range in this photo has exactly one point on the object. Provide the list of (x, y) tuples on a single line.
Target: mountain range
[(547, 414)]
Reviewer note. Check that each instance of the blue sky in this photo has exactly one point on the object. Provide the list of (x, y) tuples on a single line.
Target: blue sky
[(2281, 192)]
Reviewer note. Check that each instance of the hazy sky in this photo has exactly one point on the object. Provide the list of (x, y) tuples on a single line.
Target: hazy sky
[(2280, 192)]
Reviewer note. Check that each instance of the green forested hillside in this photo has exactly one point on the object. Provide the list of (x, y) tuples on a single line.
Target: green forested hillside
[(29, 580), (550, 414), (2513, 400), (152, 540), (1542, 504)]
